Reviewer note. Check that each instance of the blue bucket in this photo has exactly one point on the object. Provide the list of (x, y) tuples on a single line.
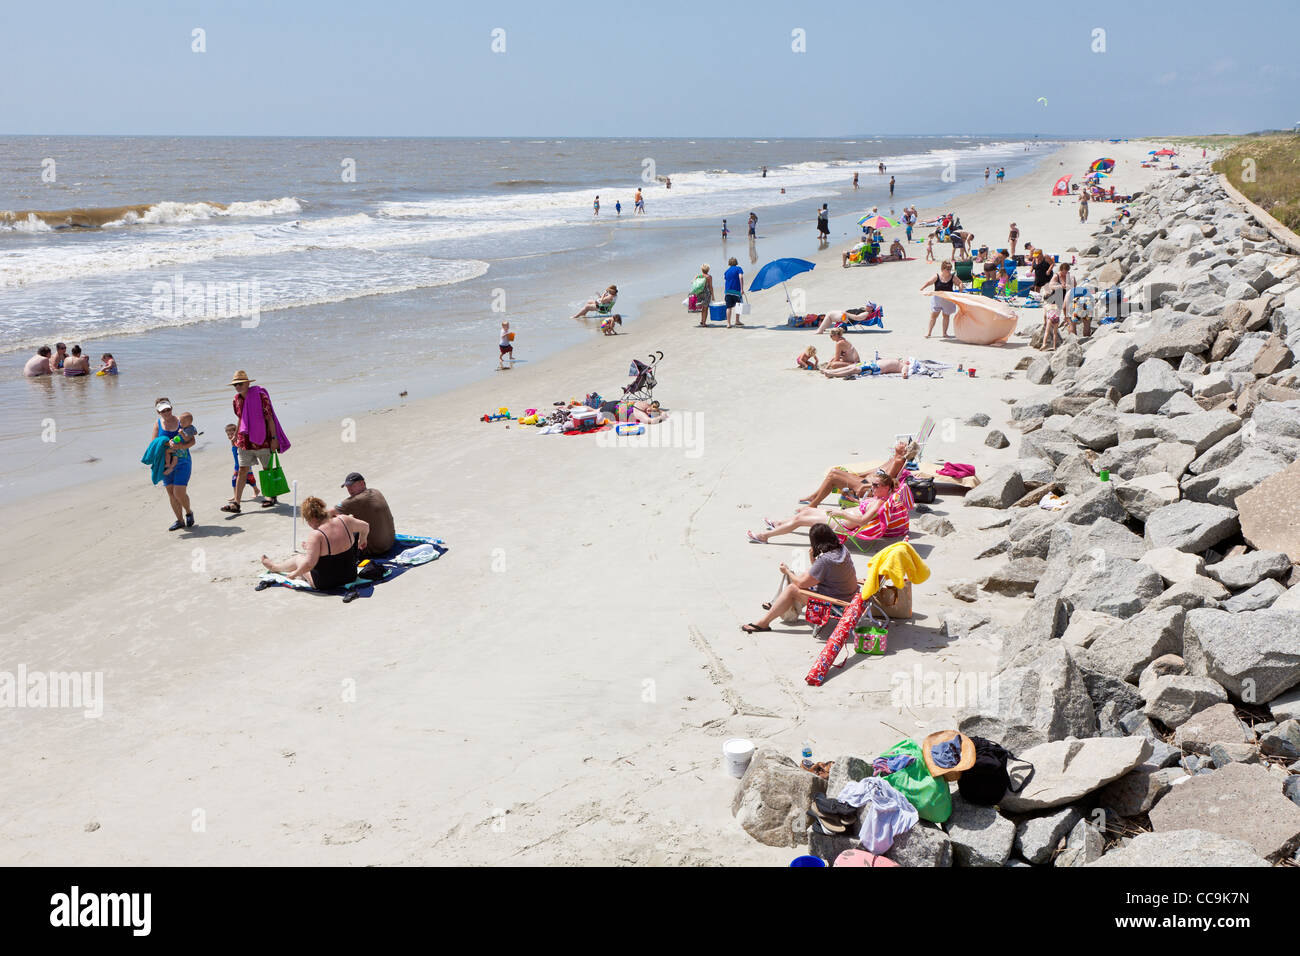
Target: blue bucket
[(807, 861), (718, 313)]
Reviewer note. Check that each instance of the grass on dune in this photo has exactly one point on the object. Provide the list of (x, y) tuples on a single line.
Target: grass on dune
[(1266, 169)]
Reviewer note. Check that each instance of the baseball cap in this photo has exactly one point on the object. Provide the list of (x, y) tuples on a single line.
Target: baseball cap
[(352, 478)]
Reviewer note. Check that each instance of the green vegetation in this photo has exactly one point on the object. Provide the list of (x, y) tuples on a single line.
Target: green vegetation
[(1266, 169)]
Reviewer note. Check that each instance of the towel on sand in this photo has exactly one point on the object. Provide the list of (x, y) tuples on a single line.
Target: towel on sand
[(899, 563)]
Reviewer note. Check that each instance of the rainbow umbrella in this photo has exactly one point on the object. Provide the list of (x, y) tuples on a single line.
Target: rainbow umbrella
[(877, 222), (1102, 165)]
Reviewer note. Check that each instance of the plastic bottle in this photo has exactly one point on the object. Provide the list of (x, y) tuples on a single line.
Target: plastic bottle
[(806, 754)]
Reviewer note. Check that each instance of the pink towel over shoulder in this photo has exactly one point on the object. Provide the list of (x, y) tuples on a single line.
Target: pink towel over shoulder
[(252, 422)]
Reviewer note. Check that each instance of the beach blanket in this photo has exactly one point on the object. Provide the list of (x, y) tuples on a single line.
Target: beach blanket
[(155, 456), (364, 587)]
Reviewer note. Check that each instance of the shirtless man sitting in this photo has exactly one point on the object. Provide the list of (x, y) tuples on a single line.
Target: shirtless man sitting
[(38, 364)]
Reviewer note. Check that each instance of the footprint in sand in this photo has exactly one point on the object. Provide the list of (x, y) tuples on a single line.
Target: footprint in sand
[(353, 832)]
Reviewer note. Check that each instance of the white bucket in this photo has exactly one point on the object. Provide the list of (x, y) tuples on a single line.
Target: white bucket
[(737, 752)]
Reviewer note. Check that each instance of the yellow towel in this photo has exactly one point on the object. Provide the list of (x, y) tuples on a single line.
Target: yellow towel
[(899, 563)]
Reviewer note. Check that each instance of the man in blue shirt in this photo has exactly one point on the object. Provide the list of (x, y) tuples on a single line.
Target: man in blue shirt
[(734, 288)]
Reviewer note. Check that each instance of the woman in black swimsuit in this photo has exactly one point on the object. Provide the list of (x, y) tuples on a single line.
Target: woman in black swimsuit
[(942, 281), (333, 549)]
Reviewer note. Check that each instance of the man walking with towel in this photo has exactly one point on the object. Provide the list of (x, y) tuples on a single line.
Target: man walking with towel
[(258, 433)]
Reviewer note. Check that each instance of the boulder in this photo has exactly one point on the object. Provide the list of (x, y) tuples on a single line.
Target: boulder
[(1097, 502), (995, 439), (1016, 737), (1016, 577), (1180, 403), (1097, 426), (1086, 626), (1178, 849), (1198, 592), (1036, 472), (1194, 335), (1038, 837), (1285, 706), (1216, 724), (1084, 845), (964, 589), (1138, 426), (846, 769), (1174, 565), (1048, 695), (980, 835), (978, 420), (1174, 698), (1200, 429), (1282, 741), (1140, 496), (1222, 452), (1239, 801), (961, 621), (1254, 655), (1225, 485), (1156, 384), (1124, 651), (933, 524), (1166, 665), (1257, 598), (1000, 489), (1272, 358), (1114, 586), (1138, 790), (1067, 770), (1270, 512), (1190, 526), (773, 799), (923, 845)]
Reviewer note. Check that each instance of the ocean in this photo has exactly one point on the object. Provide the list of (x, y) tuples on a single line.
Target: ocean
[(340, 272)]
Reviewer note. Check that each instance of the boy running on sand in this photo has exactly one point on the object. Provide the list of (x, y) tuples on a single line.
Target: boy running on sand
[(507, 347)]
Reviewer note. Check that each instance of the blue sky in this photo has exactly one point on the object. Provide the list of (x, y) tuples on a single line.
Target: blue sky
[(406, 68)]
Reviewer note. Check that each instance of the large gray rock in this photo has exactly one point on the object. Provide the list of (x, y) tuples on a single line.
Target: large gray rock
[(846, 769), (1067, 770), (1257, 598), (773, 798), (1037, 838), (1178, 849), (1200, 430), (1156, 384), (1035, 472), (1174, 565), (1084, 845), (1124, 651), (1285, 706), (1190, 526), (1017, 577), (1282, 741), (1015, 736), (980, 835), (1217, 724), (1001, 489), (1113, 586), (1098, 501), (1146, 456), (1247, 570), (1270, 513), (1086, 626), (1239, 801), (923, 845), (1174, 698), (1254, 656), (1223, 486), (1144, 495), (1097, 426), (1138, 790), (1049, 695), (1189, 595), (1194, 335)]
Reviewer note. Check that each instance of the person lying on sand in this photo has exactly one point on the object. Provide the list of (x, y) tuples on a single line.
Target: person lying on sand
[(832, 573), (878, 367), (845, 354), (853, 483), (647, 413)]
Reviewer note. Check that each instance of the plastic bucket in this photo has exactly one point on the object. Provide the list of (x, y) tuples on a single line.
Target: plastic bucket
[(718, 313), (807, 861), (737, 753)]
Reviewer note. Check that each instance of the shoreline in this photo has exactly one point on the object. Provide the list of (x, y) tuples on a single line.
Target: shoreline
[(559, 684)]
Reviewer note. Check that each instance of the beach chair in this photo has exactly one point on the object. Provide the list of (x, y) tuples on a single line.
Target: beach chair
[(962, 268)]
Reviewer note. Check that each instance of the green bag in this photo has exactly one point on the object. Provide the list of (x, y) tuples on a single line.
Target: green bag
[(930, 795), (272, 480)]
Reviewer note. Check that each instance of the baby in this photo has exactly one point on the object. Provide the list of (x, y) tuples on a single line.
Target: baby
[(175, 454), (231, 432), (807, 358)]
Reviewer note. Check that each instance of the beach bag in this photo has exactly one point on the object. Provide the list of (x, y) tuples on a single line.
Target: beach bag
[(922, 489), (692, 303), (272, 478), (988, 781), (697, 287), (930, 796)]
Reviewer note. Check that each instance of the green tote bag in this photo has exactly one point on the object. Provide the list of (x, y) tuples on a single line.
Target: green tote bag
[(930, 795), (272, 480)]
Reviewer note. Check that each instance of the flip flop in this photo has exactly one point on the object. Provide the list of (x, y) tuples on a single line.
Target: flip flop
[(771, 525), (753, 628), (754, 539), (767, 605), (269, 503)]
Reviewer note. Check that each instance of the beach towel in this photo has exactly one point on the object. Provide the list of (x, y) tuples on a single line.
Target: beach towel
[(953, 469), (155, 456), (839, 637), (898, 563), (252, 423)]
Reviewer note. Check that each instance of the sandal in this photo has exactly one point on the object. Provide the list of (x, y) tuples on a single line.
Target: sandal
[(767, 605), (753, 628), (771, 525), (269, 503), (753, 538), (232, 508)]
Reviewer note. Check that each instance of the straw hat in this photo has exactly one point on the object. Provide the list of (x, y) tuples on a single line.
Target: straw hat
[(242, 376), (967, 754)]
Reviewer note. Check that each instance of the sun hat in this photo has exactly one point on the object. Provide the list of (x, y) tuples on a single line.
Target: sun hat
[(965, 759), (242, 377)]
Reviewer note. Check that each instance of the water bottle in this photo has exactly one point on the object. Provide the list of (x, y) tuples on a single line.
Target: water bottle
[(806, 754)]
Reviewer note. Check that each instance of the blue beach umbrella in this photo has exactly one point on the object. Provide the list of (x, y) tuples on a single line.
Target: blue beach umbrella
[(780, 270)]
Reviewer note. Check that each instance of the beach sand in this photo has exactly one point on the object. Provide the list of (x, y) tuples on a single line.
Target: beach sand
[(555, 689)]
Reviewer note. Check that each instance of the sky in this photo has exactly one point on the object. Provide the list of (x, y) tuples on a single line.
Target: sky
[(754, 68)]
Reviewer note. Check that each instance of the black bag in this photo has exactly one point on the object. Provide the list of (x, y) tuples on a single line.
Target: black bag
[(922, 489), (371, 572), (987, 782)]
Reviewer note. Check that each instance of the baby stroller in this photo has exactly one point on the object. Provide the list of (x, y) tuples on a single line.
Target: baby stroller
[(643, 381)]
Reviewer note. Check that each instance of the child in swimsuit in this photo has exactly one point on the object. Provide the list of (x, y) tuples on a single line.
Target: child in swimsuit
[(250, 479), (108, 364), (173, 456), (807, 358), (607, 324)]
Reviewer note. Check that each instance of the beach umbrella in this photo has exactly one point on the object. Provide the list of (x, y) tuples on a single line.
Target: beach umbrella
[(1062, 187), (780, 271), (876, 222), (1163, 152), (1102, 165)]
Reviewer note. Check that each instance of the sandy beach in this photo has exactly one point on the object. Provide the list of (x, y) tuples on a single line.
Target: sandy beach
[(557, 687)]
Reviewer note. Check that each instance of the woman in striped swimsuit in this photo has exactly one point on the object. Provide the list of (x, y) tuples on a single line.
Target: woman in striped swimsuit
[(882, 514)]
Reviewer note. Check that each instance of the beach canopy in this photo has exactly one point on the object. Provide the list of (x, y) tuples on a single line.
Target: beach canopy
[(1062, 187), (1163, 152), (779, 271), (1102, 165), (876, 222)]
